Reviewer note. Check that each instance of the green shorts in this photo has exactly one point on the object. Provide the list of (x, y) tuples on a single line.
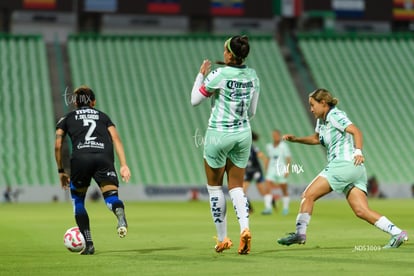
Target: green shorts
[(219, 145), (344, 175), (276, 176)]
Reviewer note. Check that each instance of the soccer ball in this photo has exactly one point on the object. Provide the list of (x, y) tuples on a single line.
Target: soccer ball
[(74, 240)]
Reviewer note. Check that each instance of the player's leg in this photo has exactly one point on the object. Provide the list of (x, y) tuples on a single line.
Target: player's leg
[(235, 176), (285, 198), (261, 187), (246, 185), (236, 163), (82, 217), (357, 199), (80, 180), (116, 205), (217, 205), (107, 179), (215, 155), (316, 189), (268, 197)]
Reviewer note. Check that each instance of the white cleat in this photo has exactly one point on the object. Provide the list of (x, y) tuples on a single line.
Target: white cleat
[(122, 231)]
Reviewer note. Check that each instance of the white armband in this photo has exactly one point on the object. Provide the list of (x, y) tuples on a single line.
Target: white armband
[(357, 152)]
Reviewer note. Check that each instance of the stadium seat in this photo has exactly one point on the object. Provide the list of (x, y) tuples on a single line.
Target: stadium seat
[(27, 113), (144, 83)]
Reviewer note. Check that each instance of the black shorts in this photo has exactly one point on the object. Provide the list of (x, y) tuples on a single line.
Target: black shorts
[(98, 166), (255, 175)]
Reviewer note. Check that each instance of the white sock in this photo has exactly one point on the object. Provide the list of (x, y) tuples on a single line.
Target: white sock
[(241, 207), (267, 199), (285, 201), (302, 221), (387, 226), (218, 210)]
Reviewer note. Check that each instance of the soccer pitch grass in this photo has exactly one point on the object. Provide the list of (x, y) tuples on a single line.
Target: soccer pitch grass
[(176, 238)]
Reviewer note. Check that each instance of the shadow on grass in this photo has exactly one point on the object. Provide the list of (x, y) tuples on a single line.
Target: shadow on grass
[(352, 249), (142, 250), (302, 248)]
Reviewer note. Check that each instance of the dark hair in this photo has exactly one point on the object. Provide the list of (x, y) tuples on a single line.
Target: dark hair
[(84, 96), (255, 136), (239, 47)]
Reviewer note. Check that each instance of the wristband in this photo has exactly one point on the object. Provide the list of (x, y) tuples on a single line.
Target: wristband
[(357, 152), (61, 170)]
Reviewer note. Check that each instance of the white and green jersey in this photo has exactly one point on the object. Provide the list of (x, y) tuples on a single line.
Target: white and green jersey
[(338, 143), (231, 90), (277, 157)]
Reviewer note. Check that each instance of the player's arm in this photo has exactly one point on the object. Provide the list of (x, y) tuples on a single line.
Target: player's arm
[(120, 152), (263, 158), (266, 161), (358, 142), (64, 178), (253, 105), (199, 93), (352, 129), (308, 140)]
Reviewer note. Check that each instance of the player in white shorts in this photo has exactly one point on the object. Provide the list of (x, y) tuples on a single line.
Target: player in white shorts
[(234, 91), (277, 164)]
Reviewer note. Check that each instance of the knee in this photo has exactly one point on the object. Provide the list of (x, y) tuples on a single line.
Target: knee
[(360, 212), (308, 197)]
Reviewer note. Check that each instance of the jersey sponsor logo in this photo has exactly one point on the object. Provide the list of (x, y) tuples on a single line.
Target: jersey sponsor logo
[(216, 211), (238, 84), (91, 144)]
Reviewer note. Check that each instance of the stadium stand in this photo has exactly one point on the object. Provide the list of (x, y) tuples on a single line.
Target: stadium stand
[(144, 83), (27, 116), (372, 77)]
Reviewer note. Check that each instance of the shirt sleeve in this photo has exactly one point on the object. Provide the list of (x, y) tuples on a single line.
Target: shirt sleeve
[(253, 105), (340, 121), (61, 124), (199, 93)]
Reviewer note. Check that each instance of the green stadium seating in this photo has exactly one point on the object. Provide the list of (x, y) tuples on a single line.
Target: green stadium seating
[(144, 84), (27, 113), (372, 77)]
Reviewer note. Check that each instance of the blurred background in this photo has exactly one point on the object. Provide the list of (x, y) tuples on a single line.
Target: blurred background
[(141, 59)]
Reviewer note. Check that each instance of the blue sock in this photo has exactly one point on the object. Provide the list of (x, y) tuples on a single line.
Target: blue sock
[(81, 215), (112, 200)]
